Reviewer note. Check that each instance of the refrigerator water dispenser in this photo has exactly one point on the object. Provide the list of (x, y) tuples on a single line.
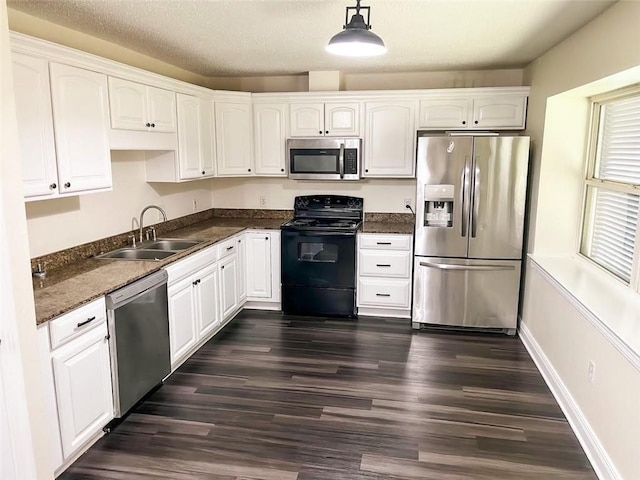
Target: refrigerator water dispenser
[(438, 206)]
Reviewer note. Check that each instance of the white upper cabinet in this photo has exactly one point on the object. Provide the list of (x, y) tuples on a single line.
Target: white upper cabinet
[(331, 119), (233, 138), (444, 113), (501, 111), (81, 117), (474, 112), (195, 137), (35, 126), (135, 106), (389, 140), (270, 138)]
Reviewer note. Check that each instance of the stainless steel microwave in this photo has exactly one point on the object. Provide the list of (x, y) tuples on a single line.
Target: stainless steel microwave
[(324, 158)]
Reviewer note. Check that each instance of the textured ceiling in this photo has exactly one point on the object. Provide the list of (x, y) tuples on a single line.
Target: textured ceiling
[(274, 37)]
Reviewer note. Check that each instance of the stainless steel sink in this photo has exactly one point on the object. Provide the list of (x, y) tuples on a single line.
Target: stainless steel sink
[(170, 244), (155, 250), (136, 254)]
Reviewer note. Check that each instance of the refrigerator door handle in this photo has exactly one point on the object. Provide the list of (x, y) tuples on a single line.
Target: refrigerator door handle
[(476, 197), (446, 266), (463, 197)]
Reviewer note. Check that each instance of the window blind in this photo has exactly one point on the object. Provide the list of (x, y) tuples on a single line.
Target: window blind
[(619, 149), (613, 233)]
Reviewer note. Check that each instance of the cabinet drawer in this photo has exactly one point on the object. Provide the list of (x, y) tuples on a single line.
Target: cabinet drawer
[(183, 268), (228, 247), (385, 242), (384, 293), (73, 324), (378, 263)]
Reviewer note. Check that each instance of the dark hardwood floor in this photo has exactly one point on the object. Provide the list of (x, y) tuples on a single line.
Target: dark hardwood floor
[(276, 397)]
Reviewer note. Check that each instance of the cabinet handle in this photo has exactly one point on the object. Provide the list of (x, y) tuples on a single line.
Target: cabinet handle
[(196, 282), (464, 122), (88, 320), (266, 238), (203, 172), (222, 267), (67, 185), (230, 248), (282, 169), (248, 169), (53, 186), (153, 125), (320, 132), (476, 122), (382, 265), (366, 170), (383, 294), (326, 132), (383, 243), (147, 125)]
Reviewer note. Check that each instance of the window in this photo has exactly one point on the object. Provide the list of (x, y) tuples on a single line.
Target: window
[(610, 236)]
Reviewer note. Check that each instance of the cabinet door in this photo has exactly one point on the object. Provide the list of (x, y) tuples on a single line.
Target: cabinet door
[(390, 137), (307, 119), (161, 109), (35, 126), (207, 133), (189, 137), (241, 279), (342, 119), (82, 375), (258, 265), (81, 127), (128, 102), (182, 318), (499, 112), (207, 299), (229, 285), (269, 134), (233, 138), (444, 113)]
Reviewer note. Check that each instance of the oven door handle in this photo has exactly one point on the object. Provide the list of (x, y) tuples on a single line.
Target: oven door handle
[(341, 160)]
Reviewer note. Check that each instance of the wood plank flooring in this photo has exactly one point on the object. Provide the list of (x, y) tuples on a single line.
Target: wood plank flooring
[(282, 398)]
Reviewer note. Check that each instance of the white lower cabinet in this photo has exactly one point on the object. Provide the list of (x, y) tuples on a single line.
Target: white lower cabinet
[(229, 285), (263, 268), (241, 279), (193, 299), (384, 274), (74, 352)]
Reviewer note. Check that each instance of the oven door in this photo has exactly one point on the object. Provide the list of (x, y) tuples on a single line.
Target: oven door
[(319, 259)]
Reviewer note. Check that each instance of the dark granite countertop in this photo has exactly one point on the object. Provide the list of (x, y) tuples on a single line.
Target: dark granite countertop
[(67, 288), (387, 227)]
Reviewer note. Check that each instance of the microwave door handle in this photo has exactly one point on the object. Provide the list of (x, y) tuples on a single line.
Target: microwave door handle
[(341, 160)]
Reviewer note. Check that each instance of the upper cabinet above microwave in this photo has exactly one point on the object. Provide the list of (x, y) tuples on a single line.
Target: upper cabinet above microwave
[(329, 119)]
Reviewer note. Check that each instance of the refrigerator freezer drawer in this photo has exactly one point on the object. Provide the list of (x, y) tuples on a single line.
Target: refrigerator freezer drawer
[(466, 293)]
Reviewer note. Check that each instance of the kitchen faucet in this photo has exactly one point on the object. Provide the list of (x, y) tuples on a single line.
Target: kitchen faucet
[(164, 216)]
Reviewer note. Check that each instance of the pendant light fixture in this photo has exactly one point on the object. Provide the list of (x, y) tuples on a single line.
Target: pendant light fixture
[(357, 39)]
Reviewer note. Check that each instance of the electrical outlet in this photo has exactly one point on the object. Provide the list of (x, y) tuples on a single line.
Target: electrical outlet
[(195, 204), (263, 201), (407, 201), (591, 372)]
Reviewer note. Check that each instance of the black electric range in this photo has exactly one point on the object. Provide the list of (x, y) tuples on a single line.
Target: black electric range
[(318, 256)]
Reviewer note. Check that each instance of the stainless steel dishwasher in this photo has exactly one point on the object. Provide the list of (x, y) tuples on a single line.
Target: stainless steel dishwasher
[(138, 321)]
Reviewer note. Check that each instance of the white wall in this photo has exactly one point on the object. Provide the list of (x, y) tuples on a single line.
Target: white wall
[(603, 55), (383, 195), (19, 371), (62, 223)]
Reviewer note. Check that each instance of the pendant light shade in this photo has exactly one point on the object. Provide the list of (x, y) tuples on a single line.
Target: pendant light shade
[(357, 39)]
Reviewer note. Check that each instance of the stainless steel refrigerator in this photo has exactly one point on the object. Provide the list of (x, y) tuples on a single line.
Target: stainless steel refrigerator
[(470, 208)]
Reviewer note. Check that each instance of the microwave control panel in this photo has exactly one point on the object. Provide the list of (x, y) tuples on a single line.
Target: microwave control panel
[(350, 161)]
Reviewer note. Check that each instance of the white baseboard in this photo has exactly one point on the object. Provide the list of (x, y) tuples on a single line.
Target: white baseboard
[(600, 461)]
